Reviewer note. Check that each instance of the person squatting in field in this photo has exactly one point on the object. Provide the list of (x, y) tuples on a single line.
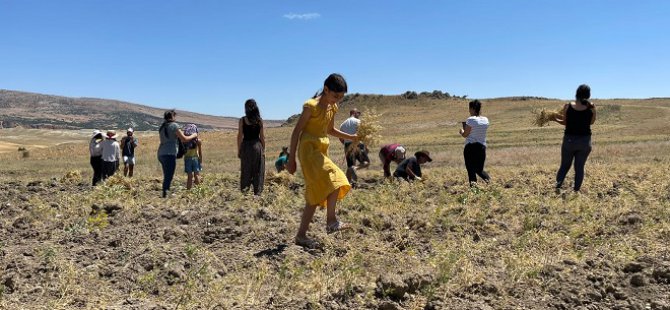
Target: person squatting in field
[(282, 160), (410, 168), (170, 135), (251, 148), (577, 117), (325, 183), (391, 153), (474, 131)]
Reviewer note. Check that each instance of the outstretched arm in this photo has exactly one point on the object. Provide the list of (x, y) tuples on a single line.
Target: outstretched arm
[(338, 133), (185, 138), (562, 118)]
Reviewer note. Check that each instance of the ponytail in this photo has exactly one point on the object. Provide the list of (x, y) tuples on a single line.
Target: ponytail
[(335, 83), (583, 94)]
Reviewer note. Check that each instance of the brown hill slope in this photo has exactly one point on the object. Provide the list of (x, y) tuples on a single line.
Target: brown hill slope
[(48, 111)]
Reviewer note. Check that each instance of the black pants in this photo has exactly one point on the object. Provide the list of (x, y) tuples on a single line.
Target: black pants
[(169, 165), (475, 156), (577, 148), (96, 164), (108, 169), (352, 157), (252, 166)]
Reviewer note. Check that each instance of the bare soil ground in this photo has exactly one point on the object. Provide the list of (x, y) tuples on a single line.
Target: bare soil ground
[(511, 244)]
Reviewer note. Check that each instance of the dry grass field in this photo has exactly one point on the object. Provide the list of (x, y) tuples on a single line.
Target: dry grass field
[(511, 244)]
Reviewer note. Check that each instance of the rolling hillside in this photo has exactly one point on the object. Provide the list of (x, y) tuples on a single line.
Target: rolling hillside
[(31, 110)]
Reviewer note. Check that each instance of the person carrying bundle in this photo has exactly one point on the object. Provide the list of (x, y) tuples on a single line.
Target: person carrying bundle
[(350, 126), (577, 117)]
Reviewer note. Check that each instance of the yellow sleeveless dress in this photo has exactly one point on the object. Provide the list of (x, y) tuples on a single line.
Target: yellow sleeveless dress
[(322, 176)]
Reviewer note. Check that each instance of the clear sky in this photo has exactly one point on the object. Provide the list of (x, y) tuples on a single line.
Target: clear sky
[(210, 56)]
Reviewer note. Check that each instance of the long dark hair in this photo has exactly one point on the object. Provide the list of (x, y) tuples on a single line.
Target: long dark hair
[(583, 94), (252, 112), (476, 105), (334, 82)]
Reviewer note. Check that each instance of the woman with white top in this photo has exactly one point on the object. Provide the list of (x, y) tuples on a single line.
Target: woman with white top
[(474, 132)]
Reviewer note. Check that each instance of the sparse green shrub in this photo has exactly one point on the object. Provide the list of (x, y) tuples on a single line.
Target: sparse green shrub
[(97, 220)]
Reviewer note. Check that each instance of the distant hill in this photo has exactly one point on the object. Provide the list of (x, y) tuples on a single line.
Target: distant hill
[(31, 110)]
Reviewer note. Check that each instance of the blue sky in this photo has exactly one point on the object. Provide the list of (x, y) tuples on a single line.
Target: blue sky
[(210, 56)]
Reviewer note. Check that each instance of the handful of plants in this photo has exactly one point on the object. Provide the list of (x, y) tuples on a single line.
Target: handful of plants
[(543, 116), (368, 132)]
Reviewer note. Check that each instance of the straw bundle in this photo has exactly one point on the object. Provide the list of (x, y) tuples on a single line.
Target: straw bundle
[(71, 177), (542, 117), (281, 178), (368, 132), (119, 179)]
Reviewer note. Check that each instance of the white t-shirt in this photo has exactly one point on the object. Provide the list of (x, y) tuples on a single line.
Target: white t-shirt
[(479, 125), (350, 126)]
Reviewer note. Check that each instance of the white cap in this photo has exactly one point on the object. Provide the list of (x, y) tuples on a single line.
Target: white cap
[(400, 152), (96, 132), (130, 129)]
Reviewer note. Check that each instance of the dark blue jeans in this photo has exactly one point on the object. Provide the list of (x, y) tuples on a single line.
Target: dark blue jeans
[(169, 164), (575, 148)]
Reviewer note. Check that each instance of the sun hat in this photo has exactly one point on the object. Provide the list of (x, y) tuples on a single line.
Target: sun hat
[(423, 153), (111, 134), (96, 132)]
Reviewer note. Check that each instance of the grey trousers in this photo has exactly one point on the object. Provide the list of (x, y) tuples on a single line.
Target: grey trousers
[(252, 160)]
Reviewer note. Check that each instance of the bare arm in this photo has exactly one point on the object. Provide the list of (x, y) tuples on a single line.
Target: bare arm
[(185, 138), (240, 136), (465, 132), (199, 143), (295, 138), (410, 171), (562, 118), (338, 133)]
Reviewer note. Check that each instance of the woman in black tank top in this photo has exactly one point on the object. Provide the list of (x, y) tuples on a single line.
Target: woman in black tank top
[(251, 148), (577, 118)]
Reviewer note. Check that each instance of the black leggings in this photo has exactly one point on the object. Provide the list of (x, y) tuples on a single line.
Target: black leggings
[(577, 148), (475, 155), (96, 164)]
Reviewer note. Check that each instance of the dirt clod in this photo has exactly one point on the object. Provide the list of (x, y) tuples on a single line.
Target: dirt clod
[(637, 280), (391, 285), (633, 267)]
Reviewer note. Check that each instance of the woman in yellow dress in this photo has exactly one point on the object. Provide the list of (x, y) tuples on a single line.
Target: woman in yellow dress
[(325, 183)]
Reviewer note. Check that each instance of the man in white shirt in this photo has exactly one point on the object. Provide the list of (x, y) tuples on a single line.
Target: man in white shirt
[(350, 126)]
